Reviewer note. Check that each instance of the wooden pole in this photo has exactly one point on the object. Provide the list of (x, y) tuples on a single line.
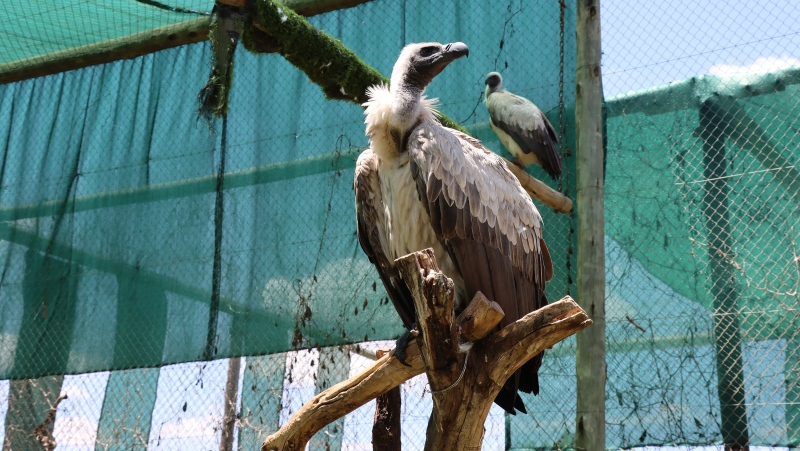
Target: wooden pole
[(714, 130), (229, 410), (386, 425), (127, 47), (591, 344)]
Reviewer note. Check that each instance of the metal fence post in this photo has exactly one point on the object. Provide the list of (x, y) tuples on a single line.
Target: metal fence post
[(791, 371), (727, 336)]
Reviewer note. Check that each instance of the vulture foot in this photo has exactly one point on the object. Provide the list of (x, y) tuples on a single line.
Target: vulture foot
[(402, 344)]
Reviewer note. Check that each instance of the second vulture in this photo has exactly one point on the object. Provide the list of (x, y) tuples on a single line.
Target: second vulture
[(421, 185), (522, 127)]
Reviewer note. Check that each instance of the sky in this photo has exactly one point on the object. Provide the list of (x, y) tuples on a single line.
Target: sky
[(647, 44), (644, 43)]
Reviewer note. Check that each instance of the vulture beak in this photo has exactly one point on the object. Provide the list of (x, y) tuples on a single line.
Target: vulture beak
[(448, 54), (455, 50)]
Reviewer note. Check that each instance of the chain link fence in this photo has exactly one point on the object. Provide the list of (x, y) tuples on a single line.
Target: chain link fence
[(702, 206), (168, 283)]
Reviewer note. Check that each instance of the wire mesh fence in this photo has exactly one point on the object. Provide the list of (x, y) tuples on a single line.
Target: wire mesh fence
[(134, 275), (701, 212)]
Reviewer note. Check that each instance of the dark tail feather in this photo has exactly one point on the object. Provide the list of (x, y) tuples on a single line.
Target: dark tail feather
[(526, 380), (226, 27), (509, 401), (529, 380)]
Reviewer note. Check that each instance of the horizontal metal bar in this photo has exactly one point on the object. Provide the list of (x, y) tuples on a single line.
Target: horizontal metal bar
[(642, 344), (691, 93)]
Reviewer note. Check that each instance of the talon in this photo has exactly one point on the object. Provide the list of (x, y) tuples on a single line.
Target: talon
[(402, 344)]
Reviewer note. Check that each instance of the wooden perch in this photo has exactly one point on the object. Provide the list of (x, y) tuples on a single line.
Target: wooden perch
[(385, 374), (386, 424), (460, 406), (464, 388), (540, 191)]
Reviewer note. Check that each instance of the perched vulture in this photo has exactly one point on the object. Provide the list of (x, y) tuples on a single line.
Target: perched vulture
[(522, 127), (421, 185)]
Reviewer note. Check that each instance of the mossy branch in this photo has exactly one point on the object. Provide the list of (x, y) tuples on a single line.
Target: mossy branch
[(326, 61)]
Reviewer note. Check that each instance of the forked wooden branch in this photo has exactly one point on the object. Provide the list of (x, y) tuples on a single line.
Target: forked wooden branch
[(387, 372), (461, 403), (465, 387)]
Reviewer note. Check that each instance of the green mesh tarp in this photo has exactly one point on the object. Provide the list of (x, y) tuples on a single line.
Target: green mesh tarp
[(109, 170), (36, 30)]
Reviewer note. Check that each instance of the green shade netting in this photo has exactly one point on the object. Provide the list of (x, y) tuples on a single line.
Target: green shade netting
[(35, 29), (109, 171)]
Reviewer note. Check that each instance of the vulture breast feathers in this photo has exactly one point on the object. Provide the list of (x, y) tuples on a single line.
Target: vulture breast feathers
[(373, 234)]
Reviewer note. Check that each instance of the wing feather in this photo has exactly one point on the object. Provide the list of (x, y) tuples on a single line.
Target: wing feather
[(528, 126), (478, 200), (371, 227), (490, 227)]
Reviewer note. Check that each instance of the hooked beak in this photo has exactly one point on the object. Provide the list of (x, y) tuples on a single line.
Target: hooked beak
[(455, 50)]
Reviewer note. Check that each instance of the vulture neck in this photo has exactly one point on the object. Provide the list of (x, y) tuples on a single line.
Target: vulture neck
[(490, 91), (407, 108), (392, 114)]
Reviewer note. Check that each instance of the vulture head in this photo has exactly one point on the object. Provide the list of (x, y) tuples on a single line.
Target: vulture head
[(418, 64), (494, 83)]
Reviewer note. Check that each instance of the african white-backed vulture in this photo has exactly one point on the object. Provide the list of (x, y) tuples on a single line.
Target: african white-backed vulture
[(522, 127), (421, 185)]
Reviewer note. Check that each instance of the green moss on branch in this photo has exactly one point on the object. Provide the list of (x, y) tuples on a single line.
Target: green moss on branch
[(330, 64)]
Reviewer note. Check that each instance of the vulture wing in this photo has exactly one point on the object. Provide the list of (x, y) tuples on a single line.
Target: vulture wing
[(528, 126), (490, 227), (371, 226)]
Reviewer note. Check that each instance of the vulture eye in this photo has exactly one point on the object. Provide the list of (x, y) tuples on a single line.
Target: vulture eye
[(427, 51)]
